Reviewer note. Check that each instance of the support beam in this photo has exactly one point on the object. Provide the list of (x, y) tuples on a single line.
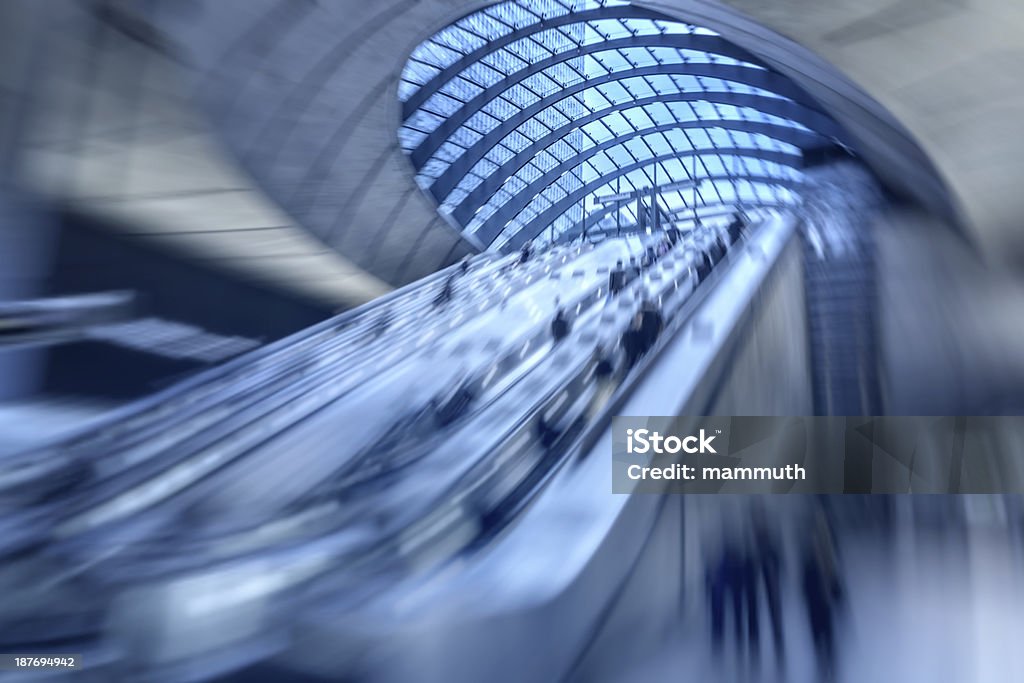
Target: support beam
[(417, 99), (758, 78), (451, 176), (682, 41)]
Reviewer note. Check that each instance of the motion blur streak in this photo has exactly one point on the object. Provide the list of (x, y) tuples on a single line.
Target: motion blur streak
[(314, 317)]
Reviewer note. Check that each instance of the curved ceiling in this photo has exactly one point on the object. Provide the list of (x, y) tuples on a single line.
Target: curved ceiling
[(929, 87), (524, 118), (304, 93), (109, 130)]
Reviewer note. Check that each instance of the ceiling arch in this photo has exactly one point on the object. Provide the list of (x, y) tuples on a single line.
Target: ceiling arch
[(338, 78), (799, 119), (745, 75), (519, 112), (492, 42)]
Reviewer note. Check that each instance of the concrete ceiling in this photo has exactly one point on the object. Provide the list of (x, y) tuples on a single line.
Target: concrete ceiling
[(304, 93), (290, 171), (946, 71), (111, 132)]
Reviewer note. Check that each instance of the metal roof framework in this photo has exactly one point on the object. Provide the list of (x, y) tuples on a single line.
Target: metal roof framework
[(517, 115)]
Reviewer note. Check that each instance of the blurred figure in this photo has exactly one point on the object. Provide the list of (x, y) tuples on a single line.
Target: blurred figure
[(732, 590), (651, 324), (445, 294), (454, 404), (632, 342), (547, 433), (382, 323), (525, 253), (559, 326), (633, 271), (642, 333), (604, 380), (735, 228), (648, 258), (704, 265), (768, 569), (605, 368), (616, 279), (823, 593), (751, 598), (464, 265), (717, 249)]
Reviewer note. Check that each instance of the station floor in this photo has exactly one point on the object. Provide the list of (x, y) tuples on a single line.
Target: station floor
[(924, 606)]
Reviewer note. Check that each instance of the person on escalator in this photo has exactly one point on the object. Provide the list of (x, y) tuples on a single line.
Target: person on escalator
[(633, 271), (525, 253), (548, 433), (604, 381), (616, 279), (723, 245), (455, 404), (717, 249), (651, 324), (382, 323), (447, 291), (605, 368), (632, 342), (560, 325), (704, 265), (735, 228)]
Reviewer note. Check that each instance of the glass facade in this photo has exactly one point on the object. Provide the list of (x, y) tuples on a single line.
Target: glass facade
[(521, 117)]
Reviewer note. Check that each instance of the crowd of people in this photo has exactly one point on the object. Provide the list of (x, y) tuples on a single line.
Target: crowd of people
[(646, 325), (748, 574)]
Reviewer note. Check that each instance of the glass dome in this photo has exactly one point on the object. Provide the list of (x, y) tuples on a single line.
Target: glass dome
[(536, 120)]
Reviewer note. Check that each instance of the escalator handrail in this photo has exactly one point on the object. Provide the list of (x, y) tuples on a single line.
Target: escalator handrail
[(238, 363)]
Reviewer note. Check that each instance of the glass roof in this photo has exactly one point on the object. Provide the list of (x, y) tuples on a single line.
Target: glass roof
[(520, 117)]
